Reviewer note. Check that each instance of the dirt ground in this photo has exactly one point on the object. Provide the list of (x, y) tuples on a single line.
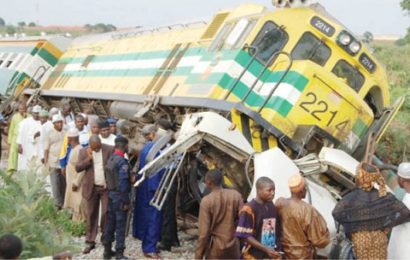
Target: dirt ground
[(133, 248)]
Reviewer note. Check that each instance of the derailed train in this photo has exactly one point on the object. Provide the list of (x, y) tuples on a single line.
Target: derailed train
[(253, 92), (26, 62)]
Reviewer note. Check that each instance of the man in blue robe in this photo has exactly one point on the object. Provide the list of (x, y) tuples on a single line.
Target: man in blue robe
[(147, 219)]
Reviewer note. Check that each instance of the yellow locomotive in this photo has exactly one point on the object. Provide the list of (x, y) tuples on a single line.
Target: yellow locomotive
[(293, 77)]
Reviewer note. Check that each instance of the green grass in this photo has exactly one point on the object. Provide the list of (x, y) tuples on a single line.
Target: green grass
[(397, 62)]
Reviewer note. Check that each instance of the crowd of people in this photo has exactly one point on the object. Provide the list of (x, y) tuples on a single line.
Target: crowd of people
[(294, 229), (90, 174)]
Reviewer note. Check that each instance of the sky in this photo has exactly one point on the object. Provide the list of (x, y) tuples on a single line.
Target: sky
[(376, 16)]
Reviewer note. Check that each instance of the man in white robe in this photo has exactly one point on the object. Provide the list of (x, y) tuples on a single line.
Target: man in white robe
[(46, 126), (400, 236), (28, 140)]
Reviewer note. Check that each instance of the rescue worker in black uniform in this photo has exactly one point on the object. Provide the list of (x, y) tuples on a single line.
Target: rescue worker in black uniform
[(119, 186)]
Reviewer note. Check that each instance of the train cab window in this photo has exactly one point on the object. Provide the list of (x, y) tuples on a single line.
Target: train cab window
[(374, 98), (270, 40), (311, 48), (353, 77)]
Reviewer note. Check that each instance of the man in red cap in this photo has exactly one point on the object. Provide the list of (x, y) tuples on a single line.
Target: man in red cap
[(302, 227)]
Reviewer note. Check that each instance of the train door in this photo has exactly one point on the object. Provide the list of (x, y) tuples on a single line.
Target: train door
[(380, 126)]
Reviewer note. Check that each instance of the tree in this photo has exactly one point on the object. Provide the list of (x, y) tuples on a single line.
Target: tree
[(10, 29), (405, 4), (100, 27), (111, 27), (88, 27), (2, 22), (400, 42), (367, 37), (32, 24), (21, 24)]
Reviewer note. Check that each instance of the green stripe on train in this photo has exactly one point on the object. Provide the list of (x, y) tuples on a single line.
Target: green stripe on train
[(16, 81), (292, 77), (278, 104), (34, 51), (359, 128), (47, 56)]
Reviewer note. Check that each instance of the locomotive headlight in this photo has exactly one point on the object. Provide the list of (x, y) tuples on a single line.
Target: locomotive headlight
[(345, 39), (354, 47)]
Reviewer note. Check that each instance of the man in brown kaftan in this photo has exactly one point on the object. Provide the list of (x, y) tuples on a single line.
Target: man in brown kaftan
[(218, 215), (302, 226)]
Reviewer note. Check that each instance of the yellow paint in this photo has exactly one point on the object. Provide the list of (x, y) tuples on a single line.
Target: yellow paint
[(272, 141), (53, 50), (256, 139)]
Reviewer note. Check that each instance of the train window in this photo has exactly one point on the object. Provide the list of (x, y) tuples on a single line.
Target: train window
[(220, 38), (311, 48), (270, 40), (17, 61), (236, 32), (10, 60), (239, 33), (353, 77)]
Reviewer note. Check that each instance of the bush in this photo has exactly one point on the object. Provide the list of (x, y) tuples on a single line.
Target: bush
[(27, 211), (10, 29), (397, 60), (401, 42)]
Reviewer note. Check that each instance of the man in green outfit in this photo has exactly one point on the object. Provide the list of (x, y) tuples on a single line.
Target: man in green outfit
[(12, 136)]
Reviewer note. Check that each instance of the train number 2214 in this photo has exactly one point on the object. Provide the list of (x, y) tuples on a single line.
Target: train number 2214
[(321, 110)]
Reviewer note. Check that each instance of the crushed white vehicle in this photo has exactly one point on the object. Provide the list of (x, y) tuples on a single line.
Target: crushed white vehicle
[(211, 140)]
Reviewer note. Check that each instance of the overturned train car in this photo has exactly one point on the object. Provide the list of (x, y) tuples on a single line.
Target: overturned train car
[(25, 63), (285, 83)]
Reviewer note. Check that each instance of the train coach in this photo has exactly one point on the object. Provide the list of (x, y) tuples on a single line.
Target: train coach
[(26, 62)]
